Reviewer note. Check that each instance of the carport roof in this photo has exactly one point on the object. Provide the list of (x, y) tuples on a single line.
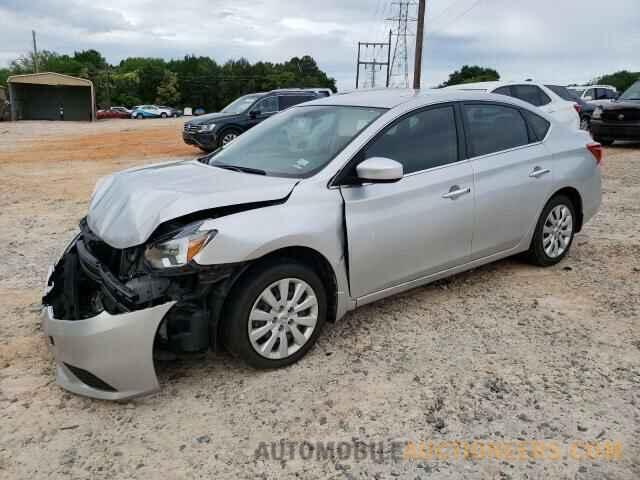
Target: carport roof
[(50, 78)]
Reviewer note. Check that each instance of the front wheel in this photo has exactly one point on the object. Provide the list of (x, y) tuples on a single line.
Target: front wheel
[(163, 115), (554, 232), (228, 136), (275, 314)]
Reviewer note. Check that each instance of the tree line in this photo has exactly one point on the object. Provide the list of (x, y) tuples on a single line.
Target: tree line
[(195, 81), (474, 73)]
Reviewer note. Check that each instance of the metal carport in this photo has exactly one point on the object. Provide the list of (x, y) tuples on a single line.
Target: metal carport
[(51, 96)]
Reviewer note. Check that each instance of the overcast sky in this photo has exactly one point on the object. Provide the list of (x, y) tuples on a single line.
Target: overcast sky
[(562, 41)]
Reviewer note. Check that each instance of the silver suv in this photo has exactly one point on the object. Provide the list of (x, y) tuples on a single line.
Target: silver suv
[(324, 207)]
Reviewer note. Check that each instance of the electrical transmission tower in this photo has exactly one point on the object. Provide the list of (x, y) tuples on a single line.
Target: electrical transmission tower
[(373, 51), (400, 58)]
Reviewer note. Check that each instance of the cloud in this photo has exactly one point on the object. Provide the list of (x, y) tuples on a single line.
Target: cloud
[(549, 40)]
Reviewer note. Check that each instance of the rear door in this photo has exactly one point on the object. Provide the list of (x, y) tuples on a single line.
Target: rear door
[(513, 174), (422, 224)]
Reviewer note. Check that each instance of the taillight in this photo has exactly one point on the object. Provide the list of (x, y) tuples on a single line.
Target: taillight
[(596, 151), (578, 107)]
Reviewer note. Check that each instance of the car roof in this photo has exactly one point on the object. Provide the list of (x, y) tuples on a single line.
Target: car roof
[(486, 86), (393, 97)]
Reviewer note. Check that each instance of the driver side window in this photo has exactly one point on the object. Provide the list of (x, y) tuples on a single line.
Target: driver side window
[(267, 105), (419, 141)]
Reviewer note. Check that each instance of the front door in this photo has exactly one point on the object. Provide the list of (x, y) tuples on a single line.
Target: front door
[(423, 223)]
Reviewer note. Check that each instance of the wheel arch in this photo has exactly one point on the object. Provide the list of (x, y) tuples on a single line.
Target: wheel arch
[(576, 199), (307, 256)]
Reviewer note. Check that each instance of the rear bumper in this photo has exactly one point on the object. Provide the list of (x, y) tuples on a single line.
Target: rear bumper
[(109, 357), (625, 131), (208, 141)]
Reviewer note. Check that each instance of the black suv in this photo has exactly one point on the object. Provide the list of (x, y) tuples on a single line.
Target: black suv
[(618, 120), (209, 132)]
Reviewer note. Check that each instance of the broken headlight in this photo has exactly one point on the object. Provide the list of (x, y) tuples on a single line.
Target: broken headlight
[(179, 248)]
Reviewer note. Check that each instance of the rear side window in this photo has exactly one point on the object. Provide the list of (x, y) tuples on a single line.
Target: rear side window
[(503, 91), (493, 128), (531, 94), (563, 93), (539, 126), (419, 141), (287, 101)]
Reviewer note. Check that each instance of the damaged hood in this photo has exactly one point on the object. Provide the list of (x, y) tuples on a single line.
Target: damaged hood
[(128, 206)]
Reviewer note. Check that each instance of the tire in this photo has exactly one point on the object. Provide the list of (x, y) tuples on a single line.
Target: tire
[(163, 115), (206, 150), (138, 116), (225, 135), (247, 298), (605, 142), (541, 252)]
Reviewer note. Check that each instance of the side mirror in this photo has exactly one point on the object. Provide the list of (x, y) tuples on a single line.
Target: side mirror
[(588, 99), (379, 170), (254, 113)]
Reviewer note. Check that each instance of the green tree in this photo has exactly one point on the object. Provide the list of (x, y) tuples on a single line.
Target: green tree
[(168, 93), (471, 74), (4, 74), (621, 80)]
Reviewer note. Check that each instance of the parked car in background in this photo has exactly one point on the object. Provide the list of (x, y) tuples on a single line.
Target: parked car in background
[(619, 120), (150, 111), (174, 111), (113, 112), (596, 94), (584, 109), (320, 209), (533, 93), (209, 132), (199, 111)]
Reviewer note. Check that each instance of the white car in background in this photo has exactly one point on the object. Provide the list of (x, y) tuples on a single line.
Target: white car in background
[(536, 94), (596, 94)]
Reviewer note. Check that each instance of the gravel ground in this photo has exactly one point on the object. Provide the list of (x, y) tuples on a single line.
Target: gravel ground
[(506, 353)]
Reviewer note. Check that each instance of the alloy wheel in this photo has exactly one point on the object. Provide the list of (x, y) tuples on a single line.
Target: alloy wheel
[(229, 137), (557, 231), (283, 318)]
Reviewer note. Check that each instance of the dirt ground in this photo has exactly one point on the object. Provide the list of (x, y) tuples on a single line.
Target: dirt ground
[(507, 354)]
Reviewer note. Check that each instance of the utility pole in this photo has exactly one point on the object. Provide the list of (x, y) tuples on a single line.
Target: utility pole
[(372, 62), (417, 66), (35, 51)]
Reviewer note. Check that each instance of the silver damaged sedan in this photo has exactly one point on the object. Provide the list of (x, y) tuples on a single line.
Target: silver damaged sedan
[(324, 207)]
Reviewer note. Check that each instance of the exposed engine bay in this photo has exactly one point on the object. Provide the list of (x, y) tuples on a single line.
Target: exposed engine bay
[(92, 277)]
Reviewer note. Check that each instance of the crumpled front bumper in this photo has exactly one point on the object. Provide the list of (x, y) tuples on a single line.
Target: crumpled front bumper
[(109, 357)]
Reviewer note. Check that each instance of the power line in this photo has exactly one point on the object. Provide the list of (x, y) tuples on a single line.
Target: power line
[(462, 14)]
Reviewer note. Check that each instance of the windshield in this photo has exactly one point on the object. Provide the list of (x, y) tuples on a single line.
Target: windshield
[(241, 104), (632, 93), (297, 142)]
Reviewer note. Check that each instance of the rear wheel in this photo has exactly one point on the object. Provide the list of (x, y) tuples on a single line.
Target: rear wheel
[(554, 232), (163, 115), (275, 314)]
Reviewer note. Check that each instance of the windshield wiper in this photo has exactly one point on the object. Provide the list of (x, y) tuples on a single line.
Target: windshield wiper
[(238, 168)]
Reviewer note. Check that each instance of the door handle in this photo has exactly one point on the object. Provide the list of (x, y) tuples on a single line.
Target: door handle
[(455, 192), (538, 172)]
